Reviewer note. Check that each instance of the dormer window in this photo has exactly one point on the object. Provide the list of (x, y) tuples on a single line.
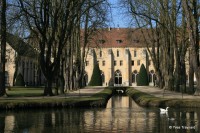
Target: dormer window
[(101, 41), (136, 41), (119, 41)]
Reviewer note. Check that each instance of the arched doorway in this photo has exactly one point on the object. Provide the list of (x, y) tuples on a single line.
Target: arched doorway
[(102, 77), (152, 78), (118, 78), (134, 76)]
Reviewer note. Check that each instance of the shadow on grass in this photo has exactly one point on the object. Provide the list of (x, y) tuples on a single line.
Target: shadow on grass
[(97, 100)]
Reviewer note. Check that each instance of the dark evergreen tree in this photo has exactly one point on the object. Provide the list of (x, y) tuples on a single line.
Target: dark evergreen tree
[(142, 78), (19, 80), (96, 79)]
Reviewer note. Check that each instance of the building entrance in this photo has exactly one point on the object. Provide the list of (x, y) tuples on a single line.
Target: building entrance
[(118, 78)]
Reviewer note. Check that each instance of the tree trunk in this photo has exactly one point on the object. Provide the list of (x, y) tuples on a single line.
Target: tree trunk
[(191, 11), (48, 88), (183, 76), (191, 78), (177, 76), (159, 80), (61, 78), (62, 84), (3, 49)]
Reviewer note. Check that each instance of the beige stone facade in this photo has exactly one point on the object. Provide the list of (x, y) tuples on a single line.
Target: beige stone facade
[(119, 59), (10, 65), (119, 66), (25, 63), (120, 53), (27, 66)]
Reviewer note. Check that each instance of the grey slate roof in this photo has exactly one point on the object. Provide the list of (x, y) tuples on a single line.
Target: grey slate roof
[(21, 47)]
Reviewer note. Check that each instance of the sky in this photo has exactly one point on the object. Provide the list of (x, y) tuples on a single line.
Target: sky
[(118, 16)]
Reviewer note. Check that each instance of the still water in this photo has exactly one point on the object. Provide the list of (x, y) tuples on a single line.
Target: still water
[(122, 115)]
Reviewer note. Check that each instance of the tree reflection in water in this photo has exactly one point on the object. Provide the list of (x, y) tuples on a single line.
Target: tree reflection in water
[(122, 114)]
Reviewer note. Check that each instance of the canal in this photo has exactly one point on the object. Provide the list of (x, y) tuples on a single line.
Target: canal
[(122, 114)]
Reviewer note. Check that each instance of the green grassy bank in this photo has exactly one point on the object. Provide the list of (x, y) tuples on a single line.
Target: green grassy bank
[(147, 100), (25, 92), (10, 103)]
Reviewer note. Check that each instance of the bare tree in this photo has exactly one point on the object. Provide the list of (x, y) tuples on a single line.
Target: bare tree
[(93, 17), (3, 48), (51, 22), (192, 17), (56, 26), (159, 21)]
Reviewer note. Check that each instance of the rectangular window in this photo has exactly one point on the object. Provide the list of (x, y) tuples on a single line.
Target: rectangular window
[(100, 53), (138, 62), (117, 53), (86, 63), (135, 53), (103, 63), (6, 78), (115, 63), (121, 62), (132, 62)]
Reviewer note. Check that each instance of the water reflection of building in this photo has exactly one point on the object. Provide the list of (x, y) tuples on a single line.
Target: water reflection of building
[(122, 114), (115, 118), (9, 123)]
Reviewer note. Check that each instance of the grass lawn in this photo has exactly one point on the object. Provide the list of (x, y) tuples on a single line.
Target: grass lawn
[(145, 99), (16, 100), (24, 92)]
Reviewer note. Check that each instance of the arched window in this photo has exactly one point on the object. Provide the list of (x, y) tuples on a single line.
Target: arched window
[(152, 77), (100, 54), (134, 76), (118, 77)]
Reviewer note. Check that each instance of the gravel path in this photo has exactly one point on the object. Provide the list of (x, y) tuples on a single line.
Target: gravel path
[(88, 91), (84, 92), (155, 91)]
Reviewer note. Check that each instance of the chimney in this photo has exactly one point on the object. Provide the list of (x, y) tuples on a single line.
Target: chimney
[(118, 27)]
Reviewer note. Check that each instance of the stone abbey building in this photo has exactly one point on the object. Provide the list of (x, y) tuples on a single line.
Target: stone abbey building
[(120, 52)]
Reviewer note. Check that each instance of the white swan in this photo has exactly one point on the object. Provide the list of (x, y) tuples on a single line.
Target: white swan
[(164, 110), (171, 119)]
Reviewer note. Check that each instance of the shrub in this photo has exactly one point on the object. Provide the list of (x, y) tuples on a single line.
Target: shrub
[(19, 80), (96, 79), (142, 78)]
